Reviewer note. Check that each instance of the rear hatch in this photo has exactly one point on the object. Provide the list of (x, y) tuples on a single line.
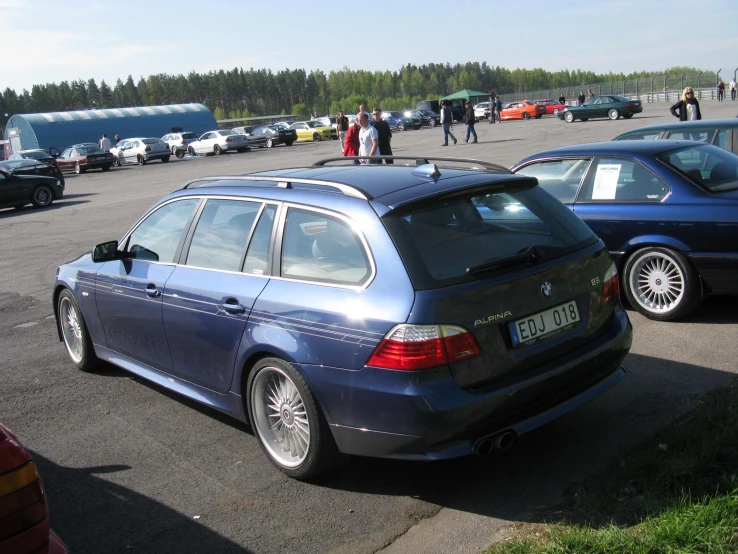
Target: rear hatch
[(512, 266), (155, 145)]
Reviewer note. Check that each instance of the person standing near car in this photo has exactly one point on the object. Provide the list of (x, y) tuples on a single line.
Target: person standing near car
[(104, 143), (117, 139), (498, 108), (342, 126), (580, 98), (590, 93), (688, 108), (368, 140), (562, 99), (351, 144), (470, 118), (447, 122), (385, 135)]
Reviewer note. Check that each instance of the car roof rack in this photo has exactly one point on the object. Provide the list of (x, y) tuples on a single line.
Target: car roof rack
[(420, 160), (284, 182)]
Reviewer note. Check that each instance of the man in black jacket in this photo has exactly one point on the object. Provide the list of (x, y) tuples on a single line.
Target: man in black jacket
[(342, 127), (385, 135), (470, 119)]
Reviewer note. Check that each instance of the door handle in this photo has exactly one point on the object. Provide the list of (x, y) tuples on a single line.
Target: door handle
[(233, 307), (152, 291)]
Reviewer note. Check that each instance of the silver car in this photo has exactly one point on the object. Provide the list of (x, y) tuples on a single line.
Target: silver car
[(179, 141), (140, 150), (217, 142)]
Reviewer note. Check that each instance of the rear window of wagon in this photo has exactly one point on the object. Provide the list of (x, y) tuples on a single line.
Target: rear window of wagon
[(441, 239)]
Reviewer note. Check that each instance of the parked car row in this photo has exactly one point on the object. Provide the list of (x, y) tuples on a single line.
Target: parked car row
[(610, 106)]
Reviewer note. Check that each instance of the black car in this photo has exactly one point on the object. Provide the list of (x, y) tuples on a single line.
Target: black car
[(271, 135), (425, 117), (403, 121), (35, 154), (28, 182)]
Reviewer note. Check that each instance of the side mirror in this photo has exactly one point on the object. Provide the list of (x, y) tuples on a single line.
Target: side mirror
[(106, 251), (54, 153)]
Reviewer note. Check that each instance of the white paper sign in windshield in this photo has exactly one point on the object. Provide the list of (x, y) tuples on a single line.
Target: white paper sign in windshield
[(606, 182)]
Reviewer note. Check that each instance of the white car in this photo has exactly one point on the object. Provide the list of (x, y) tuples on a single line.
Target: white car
[(481, 110), (179, 141), (140, 150), (217, 142)]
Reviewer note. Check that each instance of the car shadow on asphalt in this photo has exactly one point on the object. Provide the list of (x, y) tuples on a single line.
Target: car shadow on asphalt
[(107, 517), (714, 310), (527, 482), (57, 205)]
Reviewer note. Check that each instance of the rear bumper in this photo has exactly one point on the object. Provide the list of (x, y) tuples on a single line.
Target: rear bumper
[(426, 416), (148, 156)]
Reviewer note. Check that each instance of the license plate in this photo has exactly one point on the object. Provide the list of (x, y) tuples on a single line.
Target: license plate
[(543, 325)]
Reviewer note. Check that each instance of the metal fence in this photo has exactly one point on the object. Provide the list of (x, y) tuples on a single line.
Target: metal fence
[(656, 88)]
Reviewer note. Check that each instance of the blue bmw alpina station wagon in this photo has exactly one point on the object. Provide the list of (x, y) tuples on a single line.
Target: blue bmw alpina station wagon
[(421, 311)]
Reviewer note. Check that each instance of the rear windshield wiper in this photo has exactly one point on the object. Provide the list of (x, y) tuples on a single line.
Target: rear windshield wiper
[(527, 256)]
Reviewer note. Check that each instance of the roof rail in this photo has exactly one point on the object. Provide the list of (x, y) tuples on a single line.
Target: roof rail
[(280, 182), (420, 160)]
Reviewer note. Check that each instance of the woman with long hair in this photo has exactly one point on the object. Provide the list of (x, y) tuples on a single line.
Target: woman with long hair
[(688, 108)]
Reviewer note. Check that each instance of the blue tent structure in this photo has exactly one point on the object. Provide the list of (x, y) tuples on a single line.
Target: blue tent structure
[(61, 129)]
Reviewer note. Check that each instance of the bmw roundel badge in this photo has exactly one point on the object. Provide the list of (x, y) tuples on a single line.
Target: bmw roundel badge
[(546, 289)]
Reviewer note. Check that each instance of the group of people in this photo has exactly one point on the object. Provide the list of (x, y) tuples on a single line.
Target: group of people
[(106, 144), (365, 138)]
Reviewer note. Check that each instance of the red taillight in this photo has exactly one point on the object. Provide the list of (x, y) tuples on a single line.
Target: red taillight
[(610, 286), (630, 105), (412, 347), (148, 149), (182, 141), (228, 139)]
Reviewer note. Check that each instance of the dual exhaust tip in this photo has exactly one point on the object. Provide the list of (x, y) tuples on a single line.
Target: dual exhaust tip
[(500, 441)]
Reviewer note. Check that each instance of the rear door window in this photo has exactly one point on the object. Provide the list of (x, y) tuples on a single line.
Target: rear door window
[(622, 180), (456, 239), (641, 135), (700, 135), (560, 178), (222, 233)]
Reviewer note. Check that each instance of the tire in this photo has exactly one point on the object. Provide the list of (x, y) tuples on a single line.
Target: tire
[(191, 151), (105, 168), (288, 143), (269, 143), (539, 116), (118, 162), (180, 153), (174, 150), (627, 115), (432, 123), (242, 149), (78, 169), (217, 150), (42, 196), (661, 284), (140, 160), (526, 115), (299, 442), (74, 333), (569, 117), (316, 137), (613, 114), (401, 126), (165, 159), (556, 111)]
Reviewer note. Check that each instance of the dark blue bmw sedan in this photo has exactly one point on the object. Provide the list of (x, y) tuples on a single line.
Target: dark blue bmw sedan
[(667, 211), (398, 311)]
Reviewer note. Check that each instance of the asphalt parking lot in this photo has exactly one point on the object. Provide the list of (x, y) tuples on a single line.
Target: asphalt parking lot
[(130, 467)]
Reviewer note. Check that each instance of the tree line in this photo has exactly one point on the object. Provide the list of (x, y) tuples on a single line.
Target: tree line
[(243, 93)]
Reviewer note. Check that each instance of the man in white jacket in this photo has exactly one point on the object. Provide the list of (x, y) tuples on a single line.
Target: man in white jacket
[(105, 144)]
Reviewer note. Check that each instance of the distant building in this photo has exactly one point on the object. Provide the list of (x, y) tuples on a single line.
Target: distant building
[(61, 129)]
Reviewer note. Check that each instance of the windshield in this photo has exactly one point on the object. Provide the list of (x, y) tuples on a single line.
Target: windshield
[(445, 241), (314, 124), (86, 150), (36, 155), (189, 136), (151, 141), (708, 166)]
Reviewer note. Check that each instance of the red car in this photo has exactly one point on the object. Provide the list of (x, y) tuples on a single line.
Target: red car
[(24, 513), (81, 157), (552, 106)]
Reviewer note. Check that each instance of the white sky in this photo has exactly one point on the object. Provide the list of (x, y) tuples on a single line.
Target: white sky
[(44, 41)]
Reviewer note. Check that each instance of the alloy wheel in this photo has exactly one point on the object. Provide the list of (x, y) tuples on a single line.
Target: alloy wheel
[(657, 282)]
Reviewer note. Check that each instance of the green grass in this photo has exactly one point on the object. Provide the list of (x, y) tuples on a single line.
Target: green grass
[(676, 493)]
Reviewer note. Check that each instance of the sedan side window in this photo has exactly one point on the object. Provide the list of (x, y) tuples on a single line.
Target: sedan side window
[(699, 135), (642, 136), (158, 236), (560, 178), (622, 180), (219, 241), (321, 248)]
